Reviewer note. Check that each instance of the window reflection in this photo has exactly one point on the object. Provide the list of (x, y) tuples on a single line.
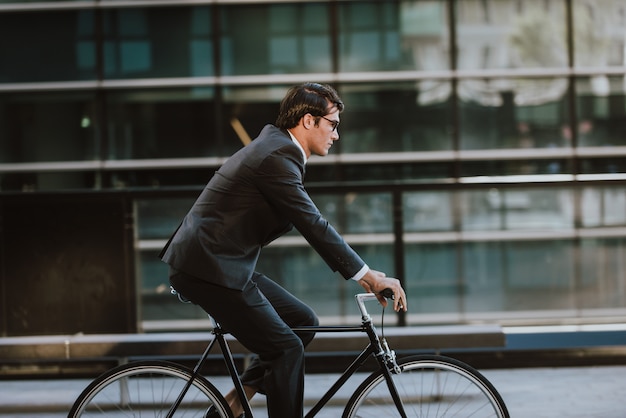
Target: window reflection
[(603, 272), (603, 165), (424, 36), (599, 33), (431, 272), (513, 113), (378, 36), (245, 111), (527, 275), (603, 206), (419, 170), (44, 181), (600, 112), (161, 124), (157, 42), (368, 213), (511, 34), (275, 39), (514, 209), (394, 117), (45, 127), (428, 211), (357, 213), (530, 166), (159, 218), (62, 48)]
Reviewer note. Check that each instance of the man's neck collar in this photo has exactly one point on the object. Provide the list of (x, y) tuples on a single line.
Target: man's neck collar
[(295, 141)]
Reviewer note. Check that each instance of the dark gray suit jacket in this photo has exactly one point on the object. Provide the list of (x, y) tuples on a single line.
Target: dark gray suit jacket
[(255, 197)]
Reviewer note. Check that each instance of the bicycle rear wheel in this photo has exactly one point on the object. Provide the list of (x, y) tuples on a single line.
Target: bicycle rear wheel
[(429, 386), (148, 389)]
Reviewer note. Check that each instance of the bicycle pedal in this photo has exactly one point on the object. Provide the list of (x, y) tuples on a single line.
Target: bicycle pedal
[(212, 413)]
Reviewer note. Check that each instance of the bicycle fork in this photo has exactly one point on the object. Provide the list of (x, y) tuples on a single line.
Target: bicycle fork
[(387, 360)]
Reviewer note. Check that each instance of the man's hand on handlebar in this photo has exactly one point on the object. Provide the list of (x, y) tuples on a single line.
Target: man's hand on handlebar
[(376, 282)]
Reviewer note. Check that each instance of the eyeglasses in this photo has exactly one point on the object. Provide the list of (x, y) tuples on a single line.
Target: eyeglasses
[(335, 123)]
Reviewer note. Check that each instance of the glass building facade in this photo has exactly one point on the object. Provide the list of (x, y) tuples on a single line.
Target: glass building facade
[(482, 156)]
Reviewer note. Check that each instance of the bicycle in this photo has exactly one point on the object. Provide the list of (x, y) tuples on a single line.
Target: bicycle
[(414, 386)]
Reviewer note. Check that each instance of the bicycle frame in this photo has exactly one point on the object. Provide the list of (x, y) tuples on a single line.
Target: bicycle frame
[(384, 356)]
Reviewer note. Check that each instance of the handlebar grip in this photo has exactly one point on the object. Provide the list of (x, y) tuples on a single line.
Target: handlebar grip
[(388, 293)]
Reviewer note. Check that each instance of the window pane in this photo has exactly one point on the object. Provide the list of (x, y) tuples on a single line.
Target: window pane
[(357, 213), (511, 34), (245, 111), (38, 180), (62, 48), (520, 276), (395, 117), (379, 36), (44, 127), (539, 275), (513, 113), (603, 272), (332, 207), (616, 164), (603, 206), (514, 209), (368, 213), (427, 211), (600, 103), (157, 219), (423, 171), (162, 124), (275, 39), (599, 33), (37, 1), (485, 286), (431, 280), (157, 42), (520, 166), (424, 31)]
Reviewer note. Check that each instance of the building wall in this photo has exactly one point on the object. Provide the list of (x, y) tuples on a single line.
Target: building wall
[(481, 156)]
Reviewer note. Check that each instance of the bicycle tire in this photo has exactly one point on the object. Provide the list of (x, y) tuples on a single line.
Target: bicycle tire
[(148, 389), (429, 386)]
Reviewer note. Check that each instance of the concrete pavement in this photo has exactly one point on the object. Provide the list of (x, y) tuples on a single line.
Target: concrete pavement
[(569, 392)]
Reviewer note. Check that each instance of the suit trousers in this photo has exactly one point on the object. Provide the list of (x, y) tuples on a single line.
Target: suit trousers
[(260, 317)]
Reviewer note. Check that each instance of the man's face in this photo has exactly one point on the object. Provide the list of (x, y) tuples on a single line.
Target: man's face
[(324, 134)]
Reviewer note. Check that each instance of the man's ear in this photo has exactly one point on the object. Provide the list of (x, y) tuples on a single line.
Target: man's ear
[(308, 121)]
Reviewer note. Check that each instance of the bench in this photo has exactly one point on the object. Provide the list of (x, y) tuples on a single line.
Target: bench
[(16, 352)]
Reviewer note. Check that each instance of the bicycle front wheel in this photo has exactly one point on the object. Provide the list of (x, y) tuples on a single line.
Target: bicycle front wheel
[(148, 389), (429, 387)]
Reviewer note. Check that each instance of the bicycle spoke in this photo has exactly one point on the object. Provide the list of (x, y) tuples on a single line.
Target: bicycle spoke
[(147, 389), (430, 387)]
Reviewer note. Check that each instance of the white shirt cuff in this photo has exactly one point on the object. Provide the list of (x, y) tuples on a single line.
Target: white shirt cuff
[(359, 275)]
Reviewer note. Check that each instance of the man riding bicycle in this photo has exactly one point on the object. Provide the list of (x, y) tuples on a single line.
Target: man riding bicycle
[(255, 197)]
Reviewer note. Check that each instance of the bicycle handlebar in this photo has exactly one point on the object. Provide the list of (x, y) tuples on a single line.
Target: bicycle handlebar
[(361, 298)]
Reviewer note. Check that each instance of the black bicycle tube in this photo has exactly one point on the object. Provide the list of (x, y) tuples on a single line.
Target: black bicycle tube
[(194, 374), (232, 370), (356, 364)]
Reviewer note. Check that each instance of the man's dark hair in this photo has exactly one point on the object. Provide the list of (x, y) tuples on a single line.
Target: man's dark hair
[(306, 98)]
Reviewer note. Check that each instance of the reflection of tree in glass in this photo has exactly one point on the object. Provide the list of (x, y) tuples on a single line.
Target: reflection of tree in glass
[(538, 40), (591, 41)]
